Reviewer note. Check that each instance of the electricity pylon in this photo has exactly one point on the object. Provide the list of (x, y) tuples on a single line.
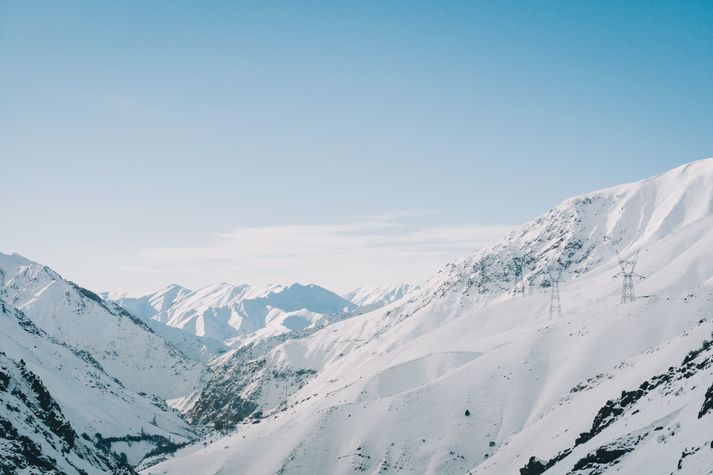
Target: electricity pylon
[(627, 272), (518, 264), (555, 306)]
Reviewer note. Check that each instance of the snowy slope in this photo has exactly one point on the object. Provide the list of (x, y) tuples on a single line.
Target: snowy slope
[(660, 424), (369, 298), (86, 400), (35, 437), (197, 348), (236, 314), (387, 391), (146, 306), (126, 347)]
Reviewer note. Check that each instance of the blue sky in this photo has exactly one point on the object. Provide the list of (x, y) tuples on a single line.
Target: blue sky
[(129, 129)]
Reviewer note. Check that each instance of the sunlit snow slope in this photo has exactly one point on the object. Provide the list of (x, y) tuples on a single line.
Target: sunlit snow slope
[(371, 298), (57, 398), (124, 345), (608, 386)]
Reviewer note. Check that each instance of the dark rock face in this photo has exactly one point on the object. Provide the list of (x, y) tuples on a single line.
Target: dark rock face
[(534, 466), (699, 359), (35, 436), (23, 453), (608, 455), (221, 403), (49, 412), (611, 411), (686, 453), (233, 393), (707, 403), (4, 379)]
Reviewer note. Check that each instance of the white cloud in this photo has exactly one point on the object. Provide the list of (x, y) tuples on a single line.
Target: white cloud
[(375, 250)]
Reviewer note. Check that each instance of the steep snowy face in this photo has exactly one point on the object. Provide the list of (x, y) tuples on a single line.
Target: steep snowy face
[(56, 400), (659, 422), (35, 437), (147, 306), (584, 233), (389, 390), (370, 298), (235, 313), (125, 346)]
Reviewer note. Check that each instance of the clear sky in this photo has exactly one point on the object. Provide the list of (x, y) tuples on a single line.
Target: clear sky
[(144, 143)]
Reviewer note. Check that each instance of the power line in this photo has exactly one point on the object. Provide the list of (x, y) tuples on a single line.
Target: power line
[(627, 272)]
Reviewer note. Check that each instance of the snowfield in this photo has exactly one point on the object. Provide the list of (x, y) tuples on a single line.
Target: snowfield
[(89, 400), (387, 392), (371, 298), (465, 373), (126, 347)]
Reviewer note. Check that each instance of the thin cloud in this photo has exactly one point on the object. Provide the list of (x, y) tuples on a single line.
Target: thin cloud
[(139, 270), (264, 246), (392, 215), (390, 247)]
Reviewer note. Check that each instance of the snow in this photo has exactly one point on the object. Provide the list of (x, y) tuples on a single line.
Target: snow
[(373, 297), (391, 386), (461, 374), (235, 314), (36, 438), (91, 400), (147, 305), (126, 348)]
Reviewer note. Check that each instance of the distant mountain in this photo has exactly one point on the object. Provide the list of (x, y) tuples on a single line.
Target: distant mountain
[(469, 374), (369, 298), (147, 305), (466, 373), (238, 313)]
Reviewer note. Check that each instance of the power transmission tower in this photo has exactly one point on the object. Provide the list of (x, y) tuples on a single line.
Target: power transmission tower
[(627, 272), (518, 264), (555, 306)]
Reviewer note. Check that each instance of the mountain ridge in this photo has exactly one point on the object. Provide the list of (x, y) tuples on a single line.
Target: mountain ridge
[(389, 388), (466, 373), (233, 313)]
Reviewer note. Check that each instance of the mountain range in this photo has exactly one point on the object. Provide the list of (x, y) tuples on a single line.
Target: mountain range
[(236, 315), (82, 382), (472, 371), (469, 375)]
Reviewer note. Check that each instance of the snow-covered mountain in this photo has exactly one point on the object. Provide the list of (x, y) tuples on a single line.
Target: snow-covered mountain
[(238, 314), (468, 374), (147, 305), (369, 298), (124, 345), (62, 413), (35, 435)]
